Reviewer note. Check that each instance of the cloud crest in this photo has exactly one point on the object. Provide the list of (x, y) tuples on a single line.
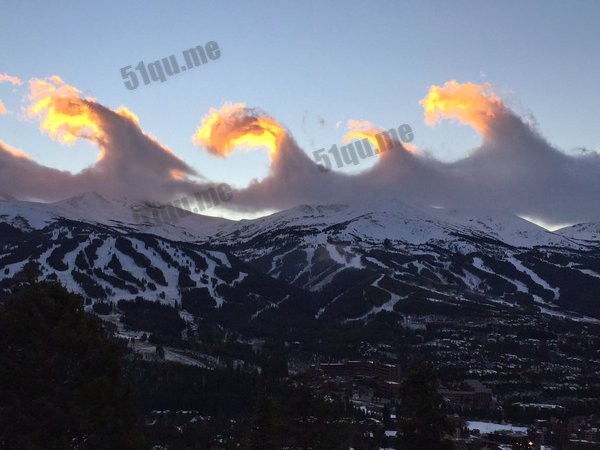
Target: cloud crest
[(515, 170)]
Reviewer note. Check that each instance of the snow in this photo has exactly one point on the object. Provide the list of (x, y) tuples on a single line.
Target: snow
[(479, 264), (277, 262), (241, 277), (583, 231), (375, 221), (588, 272), (344, 258), (347, 233), (510, 229), (565, 315), (387, 306), (324, 308), (534, 276), (469, 279), (310, 254), (210, 272), (271, 305), (491, 427), (221, 258), (174, 355), (325, 281), (91, 207), (376, 262)]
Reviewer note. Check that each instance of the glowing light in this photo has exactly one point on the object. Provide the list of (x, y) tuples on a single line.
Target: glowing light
[(177, 174), (123, 111), (235, 125), (361, 129), (469, 103), (65, 116), (377, 137)]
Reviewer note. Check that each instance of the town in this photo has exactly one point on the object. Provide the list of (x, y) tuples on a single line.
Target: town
[(508, 382)]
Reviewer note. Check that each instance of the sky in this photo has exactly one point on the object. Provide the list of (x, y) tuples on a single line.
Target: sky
[(311, 67)]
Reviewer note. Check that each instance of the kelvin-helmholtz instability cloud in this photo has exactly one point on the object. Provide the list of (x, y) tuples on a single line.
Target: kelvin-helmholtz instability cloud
[(514, 170)]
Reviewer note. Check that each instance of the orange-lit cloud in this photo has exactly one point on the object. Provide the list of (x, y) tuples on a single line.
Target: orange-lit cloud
[(64, 115), (13, 151), (514, 169), (123, 111), (377, 136), (131, 162), (469, 103), (235, 125), (362, 129), (3, 109), (177, 174), (5, 78)]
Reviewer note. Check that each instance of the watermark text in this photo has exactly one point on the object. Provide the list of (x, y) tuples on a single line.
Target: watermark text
[(168, 66)]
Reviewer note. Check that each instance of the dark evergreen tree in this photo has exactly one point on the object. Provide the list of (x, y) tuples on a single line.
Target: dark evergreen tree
[(308, 421), (61, 384), (423, 424), (264, 429)]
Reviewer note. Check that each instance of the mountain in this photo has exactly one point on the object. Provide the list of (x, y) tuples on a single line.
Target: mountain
[(582, 231), (93, 247), (307, 265), (122, 213), (350, 254)]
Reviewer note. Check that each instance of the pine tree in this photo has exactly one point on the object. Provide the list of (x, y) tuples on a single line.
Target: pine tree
[(263, 432), (61, 384), (423, 425)]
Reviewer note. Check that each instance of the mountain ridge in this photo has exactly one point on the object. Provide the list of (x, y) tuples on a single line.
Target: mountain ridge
[(350, 261)]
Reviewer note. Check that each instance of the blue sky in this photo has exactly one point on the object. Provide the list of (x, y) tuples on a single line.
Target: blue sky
[(305, 61)]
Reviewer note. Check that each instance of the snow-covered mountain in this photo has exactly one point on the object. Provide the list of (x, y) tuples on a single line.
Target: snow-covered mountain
[(312, 262), (402, 223), (348, 253), (582, 231), (121, 213)]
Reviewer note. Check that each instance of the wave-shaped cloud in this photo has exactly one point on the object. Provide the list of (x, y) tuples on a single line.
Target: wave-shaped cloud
[(514, 170), (131, 162)]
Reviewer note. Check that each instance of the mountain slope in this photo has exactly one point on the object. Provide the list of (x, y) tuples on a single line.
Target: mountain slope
[(318, 262), (152, 217), (108, 265), (582, 231), (341, 251)]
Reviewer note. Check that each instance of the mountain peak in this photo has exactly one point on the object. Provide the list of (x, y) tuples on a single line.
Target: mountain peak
[(585, 231), (84, 200)]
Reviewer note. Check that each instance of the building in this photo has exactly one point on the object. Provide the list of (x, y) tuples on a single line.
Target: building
[(470, 395)]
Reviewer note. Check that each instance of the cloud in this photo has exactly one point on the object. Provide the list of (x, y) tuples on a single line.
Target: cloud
[(235, 125), (14, 152), (469, 103), (362, 129), (5, 78), (514, 170), (130, 163), (293, 177), (64, 115)]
